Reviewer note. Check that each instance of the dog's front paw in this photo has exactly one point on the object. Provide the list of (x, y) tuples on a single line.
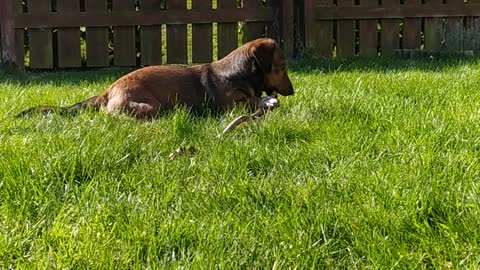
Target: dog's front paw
[(269, 103)]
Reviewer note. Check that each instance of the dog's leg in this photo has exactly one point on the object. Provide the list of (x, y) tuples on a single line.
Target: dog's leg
[(143, 110), (139, 109), (267, 103), (253, 102)]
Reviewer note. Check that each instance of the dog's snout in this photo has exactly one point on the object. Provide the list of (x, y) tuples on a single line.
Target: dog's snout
[(290, 88), (287, 89)]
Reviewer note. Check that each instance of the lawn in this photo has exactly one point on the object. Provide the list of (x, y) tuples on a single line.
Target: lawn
[(372, 164)]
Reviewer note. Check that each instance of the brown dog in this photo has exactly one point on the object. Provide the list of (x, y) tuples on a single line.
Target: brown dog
[(240, 77)]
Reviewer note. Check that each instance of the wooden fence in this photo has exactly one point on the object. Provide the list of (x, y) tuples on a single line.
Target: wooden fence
[(346, 28), (46, 34)]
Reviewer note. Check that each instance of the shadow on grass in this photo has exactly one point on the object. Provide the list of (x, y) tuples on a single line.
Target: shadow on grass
[(63, 77), (380, 65)]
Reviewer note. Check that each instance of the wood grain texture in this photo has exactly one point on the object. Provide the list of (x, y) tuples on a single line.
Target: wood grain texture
[(227, 32), (19, 38), (177, 36), (202, 35), (40, 39), (97, 37), (124, 52), (68, 39), (390, 34), (345, 33), (287, 26), (472, 38), (454, 28), (411, 9), (273, 27), (433, 30), (253, 30), (412, 28), (132, 18), (318, 34), (150, 36), (368, 33)]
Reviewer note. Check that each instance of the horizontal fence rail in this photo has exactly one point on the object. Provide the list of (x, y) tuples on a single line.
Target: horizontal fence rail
[(144, 18), (323, 12), (47, 34)]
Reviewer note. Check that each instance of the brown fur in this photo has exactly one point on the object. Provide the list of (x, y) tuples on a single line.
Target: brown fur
[(240, 77)]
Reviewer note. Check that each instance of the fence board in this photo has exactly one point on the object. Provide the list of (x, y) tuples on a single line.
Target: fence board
[(433, 30), (390, 37), (151, 37), (8, 33), (345, 33), (227, 33), (414, 10), (202, 42), (412, 28), (287, 27), (124, 37), (68, 41), (368, 33), (133, 18), (472, 38), (97, 37), (40, 40), (318, 34), (253, 30), (454, 28), (19, 38), (273, 27), (177, 37)]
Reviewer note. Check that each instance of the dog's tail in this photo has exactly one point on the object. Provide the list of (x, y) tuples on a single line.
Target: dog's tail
[(95, 103)]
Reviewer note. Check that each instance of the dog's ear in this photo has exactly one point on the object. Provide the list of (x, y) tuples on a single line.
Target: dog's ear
[(262, 52)]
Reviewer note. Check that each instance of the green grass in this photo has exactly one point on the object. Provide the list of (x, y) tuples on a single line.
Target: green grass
[(372, 164)]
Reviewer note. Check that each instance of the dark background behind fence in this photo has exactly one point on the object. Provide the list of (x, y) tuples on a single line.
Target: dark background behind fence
[(46, 34)]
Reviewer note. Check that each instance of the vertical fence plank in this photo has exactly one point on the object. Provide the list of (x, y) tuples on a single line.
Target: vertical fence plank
[(19, 38), (227, 33), (253, 30), (286, 29), (433, 30), (151, 36), (345, 33), (7, 26), (68, 41), (202, 43), (318, 34), (412, 28), (390, 31), (40, 40), (368, 33), (273, 28), (471, 39), (97, 37), (124, 53), (177, 37), (454, 29)]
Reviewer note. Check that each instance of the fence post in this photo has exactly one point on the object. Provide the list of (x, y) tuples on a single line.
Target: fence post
[(286, 26), (7, 28)]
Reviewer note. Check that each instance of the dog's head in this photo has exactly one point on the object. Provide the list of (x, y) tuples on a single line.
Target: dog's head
[(271, 59)]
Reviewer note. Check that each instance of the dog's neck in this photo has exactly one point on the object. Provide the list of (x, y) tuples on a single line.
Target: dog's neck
[(240, 70)]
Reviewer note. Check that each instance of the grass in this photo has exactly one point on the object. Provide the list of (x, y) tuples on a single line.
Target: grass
[(372, 164)]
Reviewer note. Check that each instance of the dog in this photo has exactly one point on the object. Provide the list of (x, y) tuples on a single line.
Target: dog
[(239, 78)]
